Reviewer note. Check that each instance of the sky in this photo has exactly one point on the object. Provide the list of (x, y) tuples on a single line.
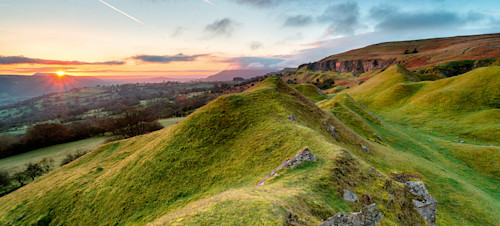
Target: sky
[(197, 38)]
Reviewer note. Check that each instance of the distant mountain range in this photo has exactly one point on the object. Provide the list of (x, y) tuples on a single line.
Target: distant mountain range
[(14, 88), (228, 75)]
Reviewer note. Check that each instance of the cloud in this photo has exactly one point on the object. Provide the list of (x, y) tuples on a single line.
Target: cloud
[(223, 27), (256, 45), (297, 21), (177, 32), (257, 3), (26, 60), (254, 62), (343, 19), (391, 18), (166, 59)]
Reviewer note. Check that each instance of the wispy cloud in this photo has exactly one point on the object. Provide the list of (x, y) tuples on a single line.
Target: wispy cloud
[(5, 60), (297, 21), (118, 10), (165, 59), (489, 13)]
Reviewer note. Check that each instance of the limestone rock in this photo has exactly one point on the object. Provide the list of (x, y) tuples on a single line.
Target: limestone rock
[(320, 92), (365, 148), (302, 156), (427, 205), (331, 129), (292, 118), (369, 215), (350, 196)]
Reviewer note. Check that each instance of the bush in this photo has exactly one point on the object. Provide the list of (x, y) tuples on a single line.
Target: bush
[(4, 178), (136, 121), (46, 164), (71, 157), (20, 177), (34, 170)]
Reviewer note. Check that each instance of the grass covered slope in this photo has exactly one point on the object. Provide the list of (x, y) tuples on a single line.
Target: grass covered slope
[(204, 171), (310, 91), (465, 105), (231, 143), (464, 178)]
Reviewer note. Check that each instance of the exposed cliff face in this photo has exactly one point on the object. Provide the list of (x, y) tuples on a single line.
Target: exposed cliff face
[(355, 66), (428, 52)]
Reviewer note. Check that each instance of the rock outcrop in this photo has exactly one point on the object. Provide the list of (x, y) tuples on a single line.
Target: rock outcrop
[(350, 196), (357, 67), (426, 205), (302, 156), (331, 129), (369, 215), (292, 118), (365, 148)]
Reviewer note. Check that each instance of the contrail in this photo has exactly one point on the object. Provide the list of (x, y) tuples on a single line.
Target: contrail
[(208, 1), (124, 13), (488, 13)]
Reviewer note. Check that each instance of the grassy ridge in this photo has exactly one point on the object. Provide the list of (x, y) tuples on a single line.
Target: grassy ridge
[(203, 171), (464, 105), (310, 91)]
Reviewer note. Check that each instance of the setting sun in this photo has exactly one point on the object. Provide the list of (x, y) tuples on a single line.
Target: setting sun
[(60, 73)]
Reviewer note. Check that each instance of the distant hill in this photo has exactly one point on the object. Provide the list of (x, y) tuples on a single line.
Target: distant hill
[(14, 88), (411, 54), (230, 74)]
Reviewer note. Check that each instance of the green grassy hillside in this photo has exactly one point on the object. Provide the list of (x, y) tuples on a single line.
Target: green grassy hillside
[(464, 106), (310, 91), (204, 171)]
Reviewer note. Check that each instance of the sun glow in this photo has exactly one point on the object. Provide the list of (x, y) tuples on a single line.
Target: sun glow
[(60, 74)]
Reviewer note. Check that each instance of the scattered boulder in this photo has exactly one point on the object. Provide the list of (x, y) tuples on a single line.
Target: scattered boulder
[(369, 215), (350, 196), (292, 118), (331, 129), (403, 177), (426, 205), (365, 148), (302, 156), (320, 92)]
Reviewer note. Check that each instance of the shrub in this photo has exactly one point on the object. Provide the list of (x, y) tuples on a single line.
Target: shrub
[(33, 170), (20, 177), (71, 157), (46, 164), (4, 178)]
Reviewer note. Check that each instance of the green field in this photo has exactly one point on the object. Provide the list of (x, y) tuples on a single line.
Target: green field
[(57, 152), (170, 121)]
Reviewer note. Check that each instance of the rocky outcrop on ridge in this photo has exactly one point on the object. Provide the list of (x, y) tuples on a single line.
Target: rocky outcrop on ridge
[(369, 215), (302, 156)]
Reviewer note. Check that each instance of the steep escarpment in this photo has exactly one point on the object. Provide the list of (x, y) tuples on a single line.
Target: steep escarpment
[(357, 67), (411, 54)]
